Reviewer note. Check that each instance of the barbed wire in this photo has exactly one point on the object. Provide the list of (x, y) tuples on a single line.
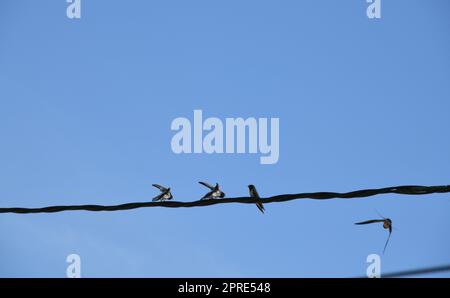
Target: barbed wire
[(421, 271), (402, 190), (416, 272)]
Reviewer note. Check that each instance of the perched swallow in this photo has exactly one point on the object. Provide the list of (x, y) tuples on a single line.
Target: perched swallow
[(254, 194), (214, 193), (165, 194), (387, 224)]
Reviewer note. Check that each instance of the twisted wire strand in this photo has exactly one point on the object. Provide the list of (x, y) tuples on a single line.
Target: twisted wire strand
[(415, 272), (402, 190)]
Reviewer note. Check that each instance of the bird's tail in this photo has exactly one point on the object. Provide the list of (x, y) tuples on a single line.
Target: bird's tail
[(260, 207)]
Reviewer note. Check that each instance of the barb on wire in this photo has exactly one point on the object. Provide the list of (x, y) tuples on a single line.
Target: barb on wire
[(403, 190)]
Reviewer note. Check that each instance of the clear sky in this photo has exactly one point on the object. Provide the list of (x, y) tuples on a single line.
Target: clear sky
[(85, 113)]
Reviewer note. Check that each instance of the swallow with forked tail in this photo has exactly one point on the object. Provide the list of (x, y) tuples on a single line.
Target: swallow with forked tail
[(214, 193), (387, 224), (165, 194), (254, 194)]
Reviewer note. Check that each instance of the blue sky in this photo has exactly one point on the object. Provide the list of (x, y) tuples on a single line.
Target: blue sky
[(85, 113)]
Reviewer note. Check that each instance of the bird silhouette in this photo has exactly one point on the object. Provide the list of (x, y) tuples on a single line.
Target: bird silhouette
[(254, 194), (165, 194), (214, 193), (387, 224)]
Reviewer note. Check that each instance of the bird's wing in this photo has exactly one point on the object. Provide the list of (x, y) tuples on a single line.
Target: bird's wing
[(157, 198), (207, 185), (379, 214), (387, 241), (209, 194), (161, 188), (254, 193), (369, 221)]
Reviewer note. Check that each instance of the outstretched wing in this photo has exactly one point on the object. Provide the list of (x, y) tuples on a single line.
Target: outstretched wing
[(379, 214), (369, 221), (161, 188), (387, 241), (207, 185)]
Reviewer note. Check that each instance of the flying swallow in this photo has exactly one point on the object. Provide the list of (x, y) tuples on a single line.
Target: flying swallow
[(165, 194), (387, 224), (254, 194), (214, 193)]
